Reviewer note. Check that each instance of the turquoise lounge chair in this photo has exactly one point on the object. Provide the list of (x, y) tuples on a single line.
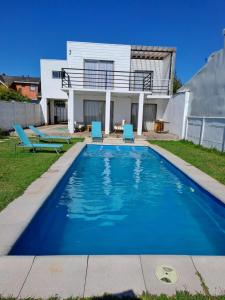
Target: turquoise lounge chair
[(128, 133), (26, 143), (43, 136), (96, 131)]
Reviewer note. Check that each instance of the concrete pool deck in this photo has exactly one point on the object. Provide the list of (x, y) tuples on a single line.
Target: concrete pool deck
[(65, 276)]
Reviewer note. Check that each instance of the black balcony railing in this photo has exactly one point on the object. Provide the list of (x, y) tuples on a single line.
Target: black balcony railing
[(113, 80)]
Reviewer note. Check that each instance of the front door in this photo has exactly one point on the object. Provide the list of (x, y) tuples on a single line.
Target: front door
[(149, 116)]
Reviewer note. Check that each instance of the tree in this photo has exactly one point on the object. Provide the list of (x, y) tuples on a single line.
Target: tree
[(8, 94), (177, 83)]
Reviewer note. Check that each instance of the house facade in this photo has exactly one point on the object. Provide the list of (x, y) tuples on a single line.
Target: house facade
[(108, 83), (25, 85)]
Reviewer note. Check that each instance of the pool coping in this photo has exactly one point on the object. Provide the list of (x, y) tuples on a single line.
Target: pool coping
[(24, 208)]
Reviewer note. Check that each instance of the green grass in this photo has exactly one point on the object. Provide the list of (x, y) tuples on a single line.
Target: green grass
[(178, 296), (17, 171), (209, 161)]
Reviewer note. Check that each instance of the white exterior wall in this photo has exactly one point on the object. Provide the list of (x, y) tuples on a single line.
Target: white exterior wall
[(78, 103), (148, 65), (77, 52), (206, 111), (207, 88), (160, 68), (122, 109), (176, 114), (19, 112), (51, 87), (166, 67), (122, 106)]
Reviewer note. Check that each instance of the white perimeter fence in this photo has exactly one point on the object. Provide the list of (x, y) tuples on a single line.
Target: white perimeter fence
[(206, 131), (24, 113)]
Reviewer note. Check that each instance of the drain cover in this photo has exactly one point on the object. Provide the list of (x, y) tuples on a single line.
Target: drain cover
[(166, 274)]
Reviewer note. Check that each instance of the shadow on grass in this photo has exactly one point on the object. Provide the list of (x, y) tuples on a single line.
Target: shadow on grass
[(129, 294)]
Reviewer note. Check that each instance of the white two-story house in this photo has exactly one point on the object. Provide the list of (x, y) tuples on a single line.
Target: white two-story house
[(108, 83)]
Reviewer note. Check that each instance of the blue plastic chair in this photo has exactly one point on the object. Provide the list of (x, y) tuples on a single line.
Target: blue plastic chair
[(43, 136), (128, 133), (26, 143), (96, 131)]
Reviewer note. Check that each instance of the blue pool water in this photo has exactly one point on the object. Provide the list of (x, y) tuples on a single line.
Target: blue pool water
[(125, 200)]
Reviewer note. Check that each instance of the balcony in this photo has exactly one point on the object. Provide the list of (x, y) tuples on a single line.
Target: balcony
[(114, 80)]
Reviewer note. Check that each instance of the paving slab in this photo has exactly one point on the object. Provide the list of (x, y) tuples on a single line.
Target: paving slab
[(13, 272), (62, 276), (186, 274), (212, 270), (116, 274)]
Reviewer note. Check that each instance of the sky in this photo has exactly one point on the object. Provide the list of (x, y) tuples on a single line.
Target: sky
[(35, 29)]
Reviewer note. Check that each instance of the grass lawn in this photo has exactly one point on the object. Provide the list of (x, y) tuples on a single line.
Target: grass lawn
[(17, 171), (178, 296), (209, 161)]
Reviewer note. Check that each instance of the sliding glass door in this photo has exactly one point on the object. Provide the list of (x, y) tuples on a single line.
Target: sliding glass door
[(98, 74), (149, 116), (95, 111), (134, 115)]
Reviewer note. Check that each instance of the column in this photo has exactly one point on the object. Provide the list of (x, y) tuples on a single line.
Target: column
[(52, 112), (140, 113), (44, 107), (202, 131), (71, 111), (107, 112), (184, 131)]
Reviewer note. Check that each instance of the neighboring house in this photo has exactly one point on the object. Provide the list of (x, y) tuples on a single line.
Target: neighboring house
[(109, 83), (26, 85), (202, 103)]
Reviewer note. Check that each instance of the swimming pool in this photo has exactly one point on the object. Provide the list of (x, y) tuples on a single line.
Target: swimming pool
[(125, 200)]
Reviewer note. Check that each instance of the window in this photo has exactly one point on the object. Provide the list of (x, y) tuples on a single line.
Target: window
[(32, 87), (143, 80), (56, 74), (98, 74)]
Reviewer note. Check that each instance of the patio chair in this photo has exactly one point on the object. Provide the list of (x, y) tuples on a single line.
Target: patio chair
[(96, 131), (43, 136), (128, 133), (26, 143), (119, 126), (79, 126)]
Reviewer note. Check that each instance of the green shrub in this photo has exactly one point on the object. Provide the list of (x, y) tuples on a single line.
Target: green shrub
[(10, 94)]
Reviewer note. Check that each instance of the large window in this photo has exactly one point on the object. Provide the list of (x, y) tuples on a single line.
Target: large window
[(94, 110), (98, 74)]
